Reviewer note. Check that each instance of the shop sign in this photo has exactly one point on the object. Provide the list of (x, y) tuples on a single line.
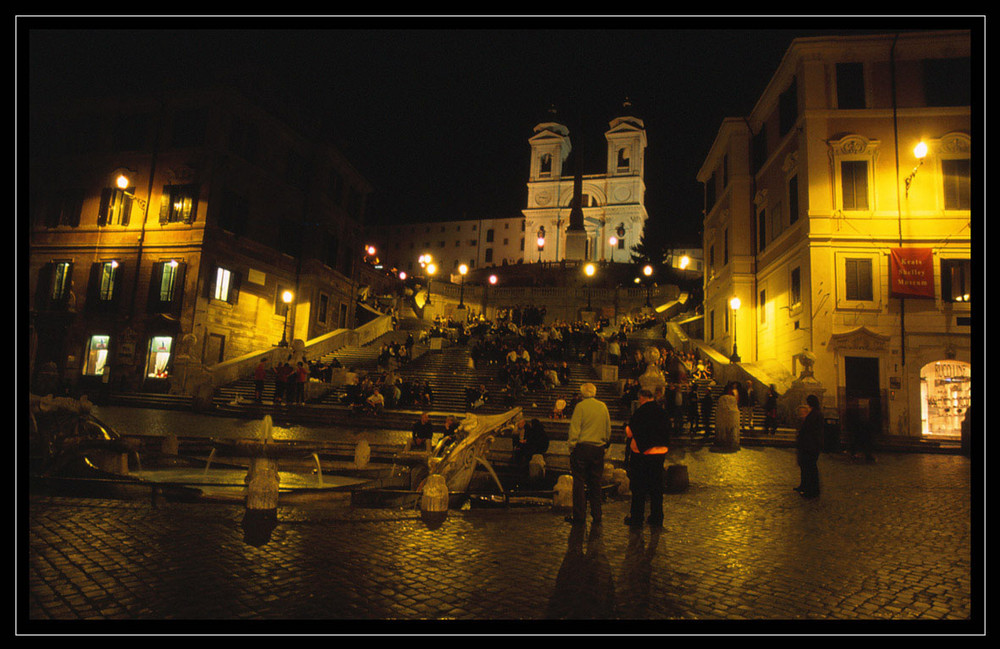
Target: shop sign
[(911, 272)]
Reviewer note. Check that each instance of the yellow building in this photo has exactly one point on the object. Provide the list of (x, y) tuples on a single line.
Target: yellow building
[(173, 226), (840, 243)]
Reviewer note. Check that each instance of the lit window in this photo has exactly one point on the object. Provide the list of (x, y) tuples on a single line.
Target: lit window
[(60, 281), (115, 207), (178, 203), (109, 277), (97, 355), (158, 359), (223, 283), (168, 281), (956, 280)]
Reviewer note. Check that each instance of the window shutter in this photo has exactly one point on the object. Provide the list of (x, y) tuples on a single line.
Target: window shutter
[(178, 296), (153, 302), (127, 205), (865, 279), (164, 206), (234, 287), (94, 285), (43, 291), (102, 211)]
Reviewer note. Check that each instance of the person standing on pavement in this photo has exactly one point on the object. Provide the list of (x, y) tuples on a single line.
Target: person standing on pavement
[(589, 436), (808, 444), (647, 437), (259, 375), (771, 411)]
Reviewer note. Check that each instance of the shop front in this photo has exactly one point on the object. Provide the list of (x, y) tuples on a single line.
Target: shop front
[(945, 391)]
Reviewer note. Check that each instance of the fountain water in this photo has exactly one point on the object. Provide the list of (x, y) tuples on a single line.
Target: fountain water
[(319, 470), (211, 456)]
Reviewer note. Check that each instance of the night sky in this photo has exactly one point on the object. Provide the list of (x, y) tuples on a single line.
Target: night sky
[(437, 113)]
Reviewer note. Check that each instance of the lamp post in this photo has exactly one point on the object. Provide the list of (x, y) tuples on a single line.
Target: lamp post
[(920, 152), (647, 270), (462, 270), (734, 304), (431, 269), (619, 235), (589, 271), (286, 297), (541, 242)]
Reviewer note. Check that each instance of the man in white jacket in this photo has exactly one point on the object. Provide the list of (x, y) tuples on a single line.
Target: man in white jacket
[(589, 436)]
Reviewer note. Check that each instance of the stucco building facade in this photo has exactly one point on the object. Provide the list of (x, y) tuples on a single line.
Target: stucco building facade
[(842, 245)]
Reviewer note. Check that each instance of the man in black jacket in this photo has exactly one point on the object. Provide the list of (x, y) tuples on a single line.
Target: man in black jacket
[(808, 445), (646, 435)]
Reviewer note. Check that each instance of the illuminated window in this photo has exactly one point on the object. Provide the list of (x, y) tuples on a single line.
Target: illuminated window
[(956, 280), (158, 358), (115, 207), (60, 280), (178, 203), (97, 355), (223, 284), (108, 280)]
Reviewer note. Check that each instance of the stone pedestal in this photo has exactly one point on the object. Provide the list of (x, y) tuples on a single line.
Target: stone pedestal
[(609, 373), (576, 245)]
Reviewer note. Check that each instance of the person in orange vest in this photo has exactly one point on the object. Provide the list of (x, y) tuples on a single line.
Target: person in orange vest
[(646, 436)]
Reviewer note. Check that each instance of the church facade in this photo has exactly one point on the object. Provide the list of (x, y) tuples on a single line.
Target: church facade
[(613, 203)]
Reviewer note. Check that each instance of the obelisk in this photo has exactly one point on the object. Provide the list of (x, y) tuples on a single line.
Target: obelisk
[(576, 233)]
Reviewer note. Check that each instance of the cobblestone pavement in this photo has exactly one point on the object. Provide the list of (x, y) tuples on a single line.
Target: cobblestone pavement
[(896, 542)]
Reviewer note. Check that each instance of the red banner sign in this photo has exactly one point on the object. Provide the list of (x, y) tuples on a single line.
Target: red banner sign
[(911, 272)]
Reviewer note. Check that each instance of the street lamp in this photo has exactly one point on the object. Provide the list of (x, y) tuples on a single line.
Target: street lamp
[(462, 270), (431, 269), (685, 262), (734, 304), (589, 271), (619, 235), (286, 297), (920, 152), (541, 242)]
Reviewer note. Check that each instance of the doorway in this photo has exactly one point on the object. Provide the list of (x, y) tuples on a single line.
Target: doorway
[(861, 383)]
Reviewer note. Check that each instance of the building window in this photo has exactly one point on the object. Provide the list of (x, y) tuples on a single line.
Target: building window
[(178, 203), (956, 280), (224, 288), (489, 236), (65, 209), (854, 184), (858, 280), (623, 159), (158, 358), (956, 175), (61, 281), (108, 280), (795, 289), (545, 165), (853, 158), (322, 305), (489, 255), (97, 355), (948, 82), (115, 207), (168, 280), (788, 109), (850, 85)]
